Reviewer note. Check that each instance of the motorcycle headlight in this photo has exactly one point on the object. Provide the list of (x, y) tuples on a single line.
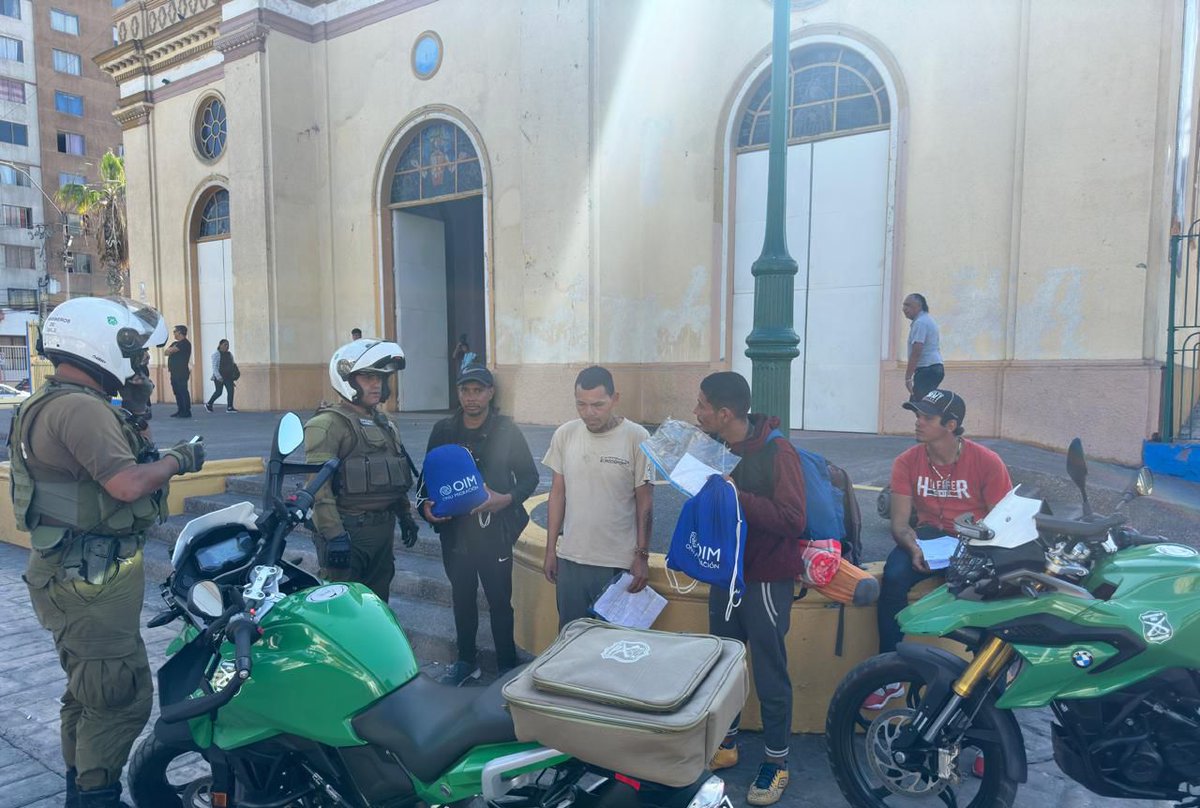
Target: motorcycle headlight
[(710, 795)]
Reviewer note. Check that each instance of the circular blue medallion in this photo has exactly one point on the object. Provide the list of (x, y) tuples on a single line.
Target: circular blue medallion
[(427, 55)]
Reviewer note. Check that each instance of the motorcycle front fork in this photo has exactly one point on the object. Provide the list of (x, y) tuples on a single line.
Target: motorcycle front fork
[(986, 666)]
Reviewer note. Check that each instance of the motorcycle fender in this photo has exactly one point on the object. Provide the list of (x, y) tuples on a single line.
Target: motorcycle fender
[(939, 669)]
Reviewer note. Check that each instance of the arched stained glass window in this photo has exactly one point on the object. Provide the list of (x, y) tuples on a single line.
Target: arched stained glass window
[(439, 161), (214, 219), (832, 91)]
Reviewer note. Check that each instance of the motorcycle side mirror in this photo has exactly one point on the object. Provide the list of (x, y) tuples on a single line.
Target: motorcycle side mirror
[(1077, 469), (1144, 485), (289, 434), (205, 598)]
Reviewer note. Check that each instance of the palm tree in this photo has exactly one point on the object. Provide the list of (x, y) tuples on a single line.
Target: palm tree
[(102, 208)]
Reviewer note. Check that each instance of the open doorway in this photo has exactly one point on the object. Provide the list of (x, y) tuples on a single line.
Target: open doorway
[(435, 203), (214, 283), (439, 282)]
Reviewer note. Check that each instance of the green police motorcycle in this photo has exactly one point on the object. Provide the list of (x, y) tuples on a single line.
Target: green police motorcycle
[(1082, 614), (284, 690)]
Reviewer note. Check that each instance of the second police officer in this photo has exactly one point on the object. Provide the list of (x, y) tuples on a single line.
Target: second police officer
[(355, 515)]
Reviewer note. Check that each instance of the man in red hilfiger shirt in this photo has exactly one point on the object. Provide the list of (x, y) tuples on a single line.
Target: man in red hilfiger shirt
[(943, 476)]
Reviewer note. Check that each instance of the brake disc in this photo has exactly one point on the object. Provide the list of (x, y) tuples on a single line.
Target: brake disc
[(896, 775)]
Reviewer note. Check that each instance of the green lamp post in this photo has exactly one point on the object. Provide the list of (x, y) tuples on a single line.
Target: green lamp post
[(772, 344)]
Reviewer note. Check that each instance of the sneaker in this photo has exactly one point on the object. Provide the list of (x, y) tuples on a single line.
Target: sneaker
[(231, 409), (878, 699), (726, 757), (208, 406), (459, 674), (769, 785)]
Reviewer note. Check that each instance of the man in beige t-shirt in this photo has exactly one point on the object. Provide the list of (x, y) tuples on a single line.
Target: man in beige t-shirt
[(600, 500)]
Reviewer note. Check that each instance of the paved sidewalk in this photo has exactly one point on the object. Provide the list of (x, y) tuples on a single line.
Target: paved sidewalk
[(31, 680)]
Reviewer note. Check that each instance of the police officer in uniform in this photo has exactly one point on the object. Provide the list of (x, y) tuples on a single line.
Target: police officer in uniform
[(86, 483), (355, 515)]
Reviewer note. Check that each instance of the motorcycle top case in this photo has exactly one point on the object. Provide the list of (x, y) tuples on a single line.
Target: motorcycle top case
[(453, 481), (653, 705)]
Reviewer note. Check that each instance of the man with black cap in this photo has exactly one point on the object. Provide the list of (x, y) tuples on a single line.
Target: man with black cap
[(943, 476), (477, 547)]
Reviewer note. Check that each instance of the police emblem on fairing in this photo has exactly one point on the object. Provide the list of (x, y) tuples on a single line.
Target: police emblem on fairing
[(1082, 658), (1156, 628), (626, 651)]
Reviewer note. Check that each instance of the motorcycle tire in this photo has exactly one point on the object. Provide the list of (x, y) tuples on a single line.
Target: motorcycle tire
[(852, 731), (148, 783)]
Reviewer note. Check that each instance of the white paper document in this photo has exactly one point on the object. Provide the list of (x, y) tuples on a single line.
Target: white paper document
[(691, 474), (938, 551), (621, 607)]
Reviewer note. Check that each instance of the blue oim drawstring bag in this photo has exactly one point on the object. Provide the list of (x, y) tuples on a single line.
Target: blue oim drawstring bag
[(710, 541), (453, 481)]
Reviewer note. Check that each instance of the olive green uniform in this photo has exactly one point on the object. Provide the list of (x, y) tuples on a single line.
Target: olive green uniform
[(365, 496), (85, 574)]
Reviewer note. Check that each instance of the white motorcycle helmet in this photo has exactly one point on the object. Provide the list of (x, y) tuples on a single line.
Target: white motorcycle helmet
[(364, 356), (102, 336)]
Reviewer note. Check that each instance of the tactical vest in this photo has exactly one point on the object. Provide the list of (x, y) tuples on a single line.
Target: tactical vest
[(80, 505), (375, 467)]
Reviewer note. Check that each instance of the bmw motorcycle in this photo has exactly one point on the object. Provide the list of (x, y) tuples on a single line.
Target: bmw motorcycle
[(1082, 614), (284, 690)]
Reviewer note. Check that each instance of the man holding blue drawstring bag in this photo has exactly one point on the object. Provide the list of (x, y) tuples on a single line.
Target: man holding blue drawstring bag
[(770, 486), (477, 539)]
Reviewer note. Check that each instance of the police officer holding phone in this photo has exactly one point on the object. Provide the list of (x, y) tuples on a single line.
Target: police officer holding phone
[(355, 514), (87, 482)]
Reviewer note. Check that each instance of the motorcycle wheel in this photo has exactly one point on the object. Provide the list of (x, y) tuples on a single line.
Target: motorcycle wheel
[(858, 743), (165, 776)]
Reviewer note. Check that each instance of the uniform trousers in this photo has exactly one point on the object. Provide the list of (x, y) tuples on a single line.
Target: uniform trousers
[(372, 551), (761, 620), (109, 687)]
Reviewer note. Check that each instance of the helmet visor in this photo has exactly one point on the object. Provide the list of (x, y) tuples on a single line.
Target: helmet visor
[(144, 328)]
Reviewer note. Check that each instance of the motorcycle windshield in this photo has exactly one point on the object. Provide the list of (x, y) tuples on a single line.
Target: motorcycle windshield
[(1012, 521)]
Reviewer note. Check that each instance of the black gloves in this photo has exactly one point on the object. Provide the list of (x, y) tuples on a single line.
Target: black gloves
[(337, 552), (408, 528), (136, 393), (190, 455)]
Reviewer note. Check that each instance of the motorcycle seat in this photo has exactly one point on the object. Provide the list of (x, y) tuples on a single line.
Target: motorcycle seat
[(429, 726)]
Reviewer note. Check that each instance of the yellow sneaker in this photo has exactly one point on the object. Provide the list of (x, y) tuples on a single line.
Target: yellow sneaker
[(768, 786), (725, 757)]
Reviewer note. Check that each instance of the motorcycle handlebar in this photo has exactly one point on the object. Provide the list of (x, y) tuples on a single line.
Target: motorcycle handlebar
[(303, 499), (193, 708), (244, 631)]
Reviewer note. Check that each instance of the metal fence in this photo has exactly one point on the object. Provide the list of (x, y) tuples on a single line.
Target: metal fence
[(14, 363), (1181, 379)]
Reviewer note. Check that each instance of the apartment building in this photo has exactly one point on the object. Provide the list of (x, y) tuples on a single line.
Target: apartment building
[(75, 100), (22, 214)]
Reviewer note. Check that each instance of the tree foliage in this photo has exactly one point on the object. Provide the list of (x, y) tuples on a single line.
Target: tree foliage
[(102, 209)]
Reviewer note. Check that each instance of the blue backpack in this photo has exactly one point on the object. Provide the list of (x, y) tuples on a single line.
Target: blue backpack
[(823, 502), (710, 541), (453, 481)]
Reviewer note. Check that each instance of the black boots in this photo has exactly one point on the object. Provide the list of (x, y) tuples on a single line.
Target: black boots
[(107, 797), (72, 795)]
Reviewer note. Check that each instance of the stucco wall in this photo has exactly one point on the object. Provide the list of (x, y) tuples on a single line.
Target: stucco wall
[(1029, 194)]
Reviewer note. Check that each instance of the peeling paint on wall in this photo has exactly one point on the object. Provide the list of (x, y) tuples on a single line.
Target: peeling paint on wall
[(971, 319), (654, 329), (1050, 320)]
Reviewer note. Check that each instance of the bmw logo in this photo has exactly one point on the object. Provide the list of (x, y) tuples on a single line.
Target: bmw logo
[(1082, 658)]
